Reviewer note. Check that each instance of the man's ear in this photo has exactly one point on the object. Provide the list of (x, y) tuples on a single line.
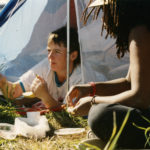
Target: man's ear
[(73, 55)]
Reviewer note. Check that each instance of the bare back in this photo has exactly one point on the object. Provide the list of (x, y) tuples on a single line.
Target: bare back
[(139, 46)]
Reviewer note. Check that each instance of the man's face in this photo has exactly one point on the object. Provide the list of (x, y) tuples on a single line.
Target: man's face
[(57, 56)]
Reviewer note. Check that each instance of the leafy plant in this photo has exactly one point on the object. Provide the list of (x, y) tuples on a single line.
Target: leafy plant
[(8, 114), (64, 119), (111, 144), (147, 131)]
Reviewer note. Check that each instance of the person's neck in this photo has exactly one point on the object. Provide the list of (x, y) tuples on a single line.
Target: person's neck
[(63, 75)]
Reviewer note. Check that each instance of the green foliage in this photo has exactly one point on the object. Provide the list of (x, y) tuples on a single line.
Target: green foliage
[(8, 114), (146, 131), (56, 120), (59, 120), (64, 119), (87, 146), (111, 145)]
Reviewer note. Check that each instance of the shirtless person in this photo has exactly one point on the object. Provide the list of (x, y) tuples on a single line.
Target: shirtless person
[(129, 23)]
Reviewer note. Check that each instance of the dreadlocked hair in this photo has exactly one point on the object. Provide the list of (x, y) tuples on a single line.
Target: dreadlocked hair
[(119, 18)]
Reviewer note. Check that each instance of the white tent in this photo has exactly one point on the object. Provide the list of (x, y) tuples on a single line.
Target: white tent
[(23, 39)]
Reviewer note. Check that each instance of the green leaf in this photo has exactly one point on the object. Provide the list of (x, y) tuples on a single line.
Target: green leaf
[(114, 138)]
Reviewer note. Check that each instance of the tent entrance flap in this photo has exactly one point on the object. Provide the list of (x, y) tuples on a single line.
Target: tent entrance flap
[(98, 59), (10, 9), (23, 37), (23, 40)]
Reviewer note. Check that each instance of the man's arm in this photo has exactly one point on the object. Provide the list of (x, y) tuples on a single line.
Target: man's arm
[(112, 87), (50, 102), (40, 90), (107, 88), (139, 94)]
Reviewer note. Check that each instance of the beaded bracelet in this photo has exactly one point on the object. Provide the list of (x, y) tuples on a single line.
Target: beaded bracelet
[(93, 100)]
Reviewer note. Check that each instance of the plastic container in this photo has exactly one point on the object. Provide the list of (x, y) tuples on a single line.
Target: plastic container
[(34, 126)]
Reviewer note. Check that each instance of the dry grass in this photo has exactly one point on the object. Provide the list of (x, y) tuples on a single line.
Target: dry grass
[(49, 143), (56, 120)]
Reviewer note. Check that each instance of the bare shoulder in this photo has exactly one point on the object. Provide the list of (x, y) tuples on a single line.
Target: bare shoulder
[(139, 42), (140, 34), (139, 45)]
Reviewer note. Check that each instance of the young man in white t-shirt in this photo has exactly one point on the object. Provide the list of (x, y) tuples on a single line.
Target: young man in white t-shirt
[(47, 80)]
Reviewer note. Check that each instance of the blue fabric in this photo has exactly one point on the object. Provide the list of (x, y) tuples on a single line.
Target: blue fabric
[(6, 11), (58, 83), (23, 37), (22, 86)]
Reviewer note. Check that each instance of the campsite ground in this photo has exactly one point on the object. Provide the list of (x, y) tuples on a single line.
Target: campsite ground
[(56, 120)]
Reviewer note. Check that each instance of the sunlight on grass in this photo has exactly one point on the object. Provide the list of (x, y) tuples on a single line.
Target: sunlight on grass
[(56, 120), (112, 143), (49, 143)]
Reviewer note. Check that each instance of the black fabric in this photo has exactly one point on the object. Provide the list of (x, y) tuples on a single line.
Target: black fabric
[(100, 120)]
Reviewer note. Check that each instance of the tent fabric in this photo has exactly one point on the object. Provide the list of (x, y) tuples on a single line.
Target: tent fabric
[(9, 10), (99, 60), (23, 40), (4, 13)]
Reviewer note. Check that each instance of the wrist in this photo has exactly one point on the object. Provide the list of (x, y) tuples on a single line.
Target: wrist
[(45, 96), (45, 99), (93, 100), (49, 101)]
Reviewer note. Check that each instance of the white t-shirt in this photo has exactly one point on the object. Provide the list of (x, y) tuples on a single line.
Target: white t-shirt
[(43, 70)]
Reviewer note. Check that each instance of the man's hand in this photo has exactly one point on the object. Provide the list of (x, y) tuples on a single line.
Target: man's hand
[(39, 87), (82, 107), (76, 92)]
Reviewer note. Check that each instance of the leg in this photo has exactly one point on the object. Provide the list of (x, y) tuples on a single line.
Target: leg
[(101, 122)]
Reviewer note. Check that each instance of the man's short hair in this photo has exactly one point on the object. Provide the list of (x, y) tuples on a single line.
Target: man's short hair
[(59, 37)]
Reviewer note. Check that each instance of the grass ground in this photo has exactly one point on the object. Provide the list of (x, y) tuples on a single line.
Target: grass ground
[(56, 120)]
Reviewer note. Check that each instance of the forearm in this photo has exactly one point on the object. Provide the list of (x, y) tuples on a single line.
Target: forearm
[(112, 87), (107, 88), (50, 102), (127, 98)]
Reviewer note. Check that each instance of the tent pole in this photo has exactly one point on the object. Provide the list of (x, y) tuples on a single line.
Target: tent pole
[(68, 40)]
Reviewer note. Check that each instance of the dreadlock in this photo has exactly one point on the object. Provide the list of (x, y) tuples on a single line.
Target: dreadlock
[(120, 17)]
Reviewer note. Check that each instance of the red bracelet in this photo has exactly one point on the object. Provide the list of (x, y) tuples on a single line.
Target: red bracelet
[(94, 88)]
